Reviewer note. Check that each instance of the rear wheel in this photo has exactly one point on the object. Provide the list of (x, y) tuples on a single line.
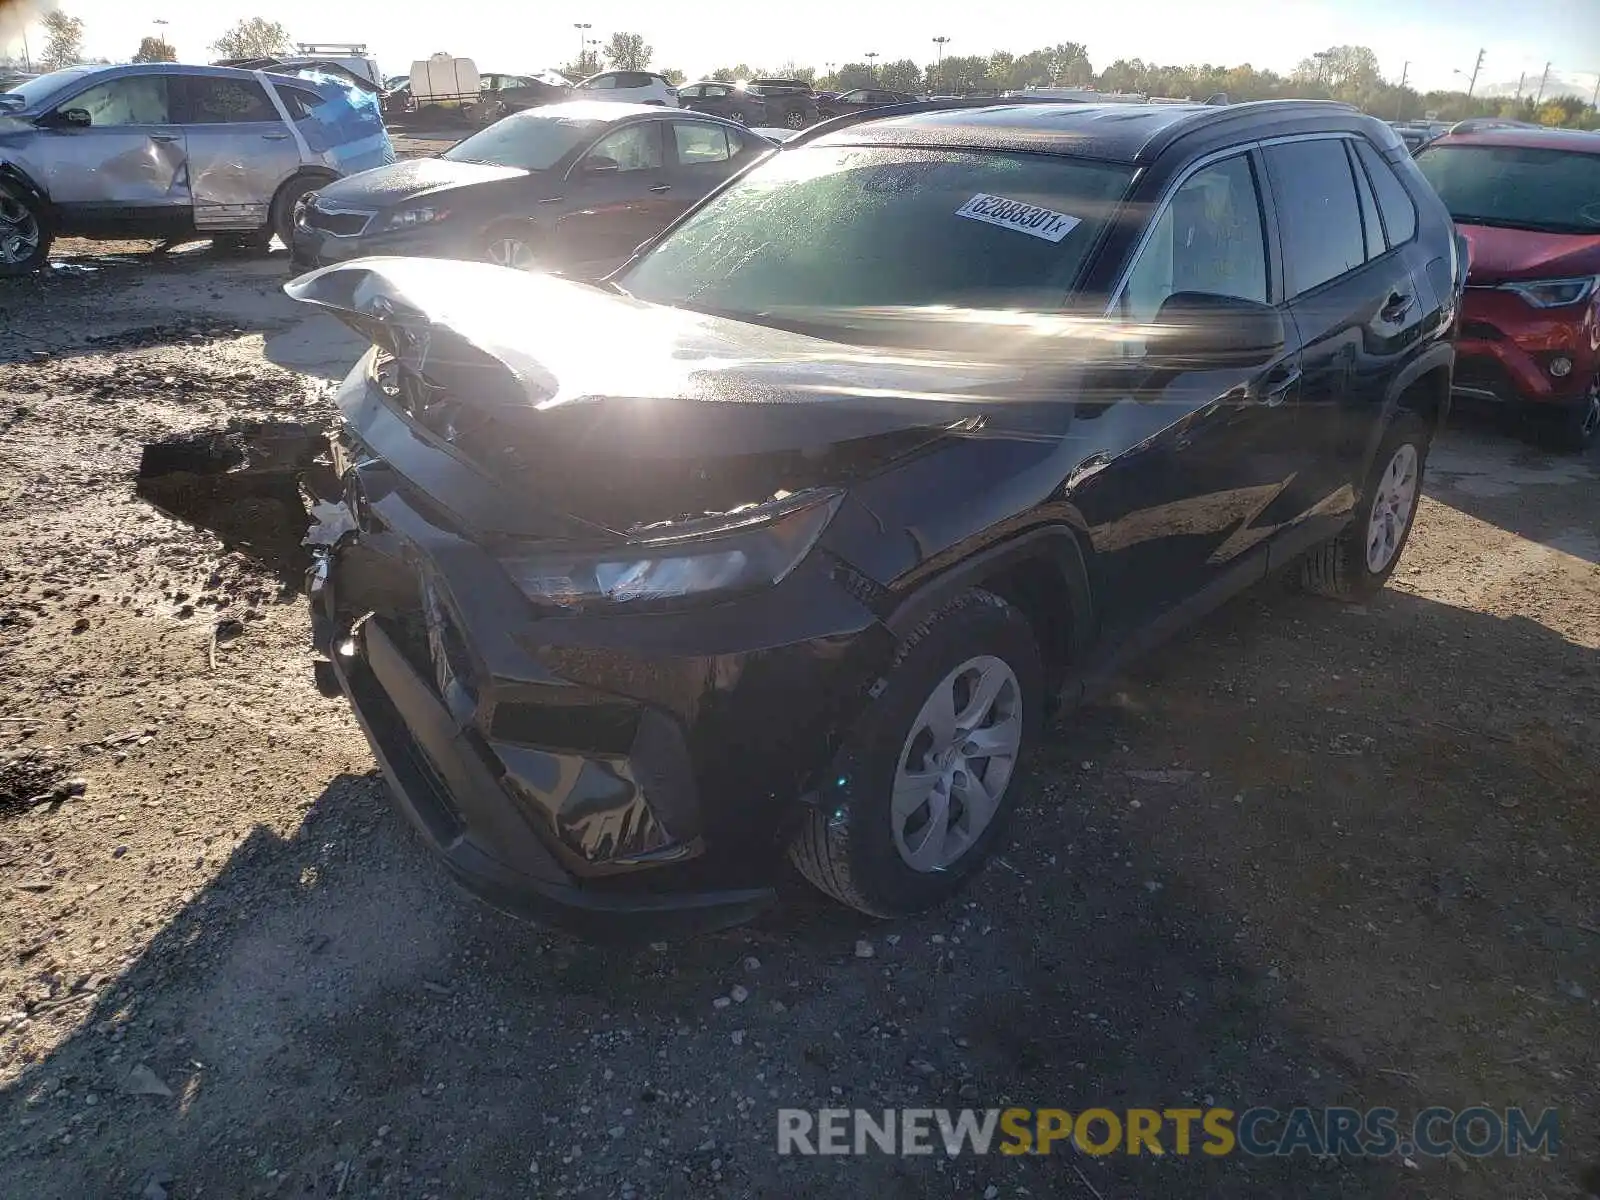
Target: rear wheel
[(24, 235), (922, 788), (1358, 562), (284, 204), (795, 120)]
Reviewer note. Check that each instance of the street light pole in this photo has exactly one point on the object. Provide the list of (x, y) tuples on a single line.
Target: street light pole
[(872, 64), (1473, 82), (583, 32), (938, 68)]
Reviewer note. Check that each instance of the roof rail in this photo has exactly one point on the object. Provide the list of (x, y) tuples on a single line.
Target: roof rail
[(844, 121), (1479, 124)]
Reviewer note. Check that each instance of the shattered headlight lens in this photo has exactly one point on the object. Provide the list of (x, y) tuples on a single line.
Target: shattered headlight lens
[(406, 218), (1554, 293), (733, 552)]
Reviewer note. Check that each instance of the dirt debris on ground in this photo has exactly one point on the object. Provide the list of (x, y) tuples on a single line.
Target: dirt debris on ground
[(1308, 854)]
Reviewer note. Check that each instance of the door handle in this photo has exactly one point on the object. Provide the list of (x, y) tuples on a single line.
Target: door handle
[(276, 137), (163, 137), (658, 188), (1395, 308), (1277, 387)]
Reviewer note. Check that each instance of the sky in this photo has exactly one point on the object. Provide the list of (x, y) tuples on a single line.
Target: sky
[(1437, 37)]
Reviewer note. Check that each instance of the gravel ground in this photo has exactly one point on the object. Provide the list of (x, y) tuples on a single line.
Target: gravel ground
[(1309, 854)]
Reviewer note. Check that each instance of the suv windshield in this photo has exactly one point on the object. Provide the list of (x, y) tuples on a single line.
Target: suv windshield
[(1519, 187), (830, 228), (531, 140)]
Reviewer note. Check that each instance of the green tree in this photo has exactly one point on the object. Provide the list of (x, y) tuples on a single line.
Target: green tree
[(253, 37), (628, 52), (63, 40), (734, 74), (902, 75), (674, 76), (155, 49), (962, 73)]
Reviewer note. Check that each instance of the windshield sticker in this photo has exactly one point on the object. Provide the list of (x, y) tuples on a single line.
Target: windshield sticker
[(1014, 214)]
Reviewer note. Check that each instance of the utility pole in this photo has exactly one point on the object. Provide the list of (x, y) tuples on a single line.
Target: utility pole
[(1543, 79), (1594, 100), (1521, 79), (27, 62), (1473, 82), (583, 32), (1400, 103)]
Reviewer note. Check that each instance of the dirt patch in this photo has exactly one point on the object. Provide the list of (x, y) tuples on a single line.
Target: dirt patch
[(1310, 854)]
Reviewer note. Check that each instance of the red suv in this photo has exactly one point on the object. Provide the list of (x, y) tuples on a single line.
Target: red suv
[(1528, 202)]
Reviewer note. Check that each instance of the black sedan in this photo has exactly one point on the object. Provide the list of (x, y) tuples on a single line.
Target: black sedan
[(862, 99), (506, 94), (572, 186)]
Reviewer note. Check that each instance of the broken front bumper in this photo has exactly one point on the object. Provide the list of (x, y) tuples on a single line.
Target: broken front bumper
[(606, 774)]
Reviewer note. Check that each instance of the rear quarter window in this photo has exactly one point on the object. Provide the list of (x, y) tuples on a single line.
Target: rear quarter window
[(1394, 202)]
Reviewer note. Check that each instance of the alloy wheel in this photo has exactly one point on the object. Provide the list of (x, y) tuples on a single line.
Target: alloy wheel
[(512, 252), (795, 120), (956, 763), (19, 231), (1392, 508)]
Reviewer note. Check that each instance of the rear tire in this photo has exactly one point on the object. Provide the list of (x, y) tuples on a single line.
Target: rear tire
[(795, 120), (1355, 565), (891, 857), (25, 234), (281, 220)]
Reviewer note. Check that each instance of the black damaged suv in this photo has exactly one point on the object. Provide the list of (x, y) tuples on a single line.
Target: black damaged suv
[(784, 540)]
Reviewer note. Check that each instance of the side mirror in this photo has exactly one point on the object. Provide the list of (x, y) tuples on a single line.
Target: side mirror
[(1199, 330), (72, 118), (599, 164)]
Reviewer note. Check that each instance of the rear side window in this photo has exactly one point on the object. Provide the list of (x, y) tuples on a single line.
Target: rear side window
[(300, 102), (1318, 211), (1399, 210), (221, 101), (602, 82), (634, 79)]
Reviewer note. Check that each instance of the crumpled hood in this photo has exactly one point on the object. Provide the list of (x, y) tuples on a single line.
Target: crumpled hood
[(1505, 255), (588, 362), (411, 179)]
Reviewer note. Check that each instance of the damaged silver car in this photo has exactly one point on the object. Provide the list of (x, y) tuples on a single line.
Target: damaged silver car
[(162, 150)]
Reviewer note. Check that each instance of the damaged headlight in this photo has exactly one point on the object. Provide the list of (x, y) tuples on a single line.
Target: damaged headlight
[(406, 218), (750, 548)]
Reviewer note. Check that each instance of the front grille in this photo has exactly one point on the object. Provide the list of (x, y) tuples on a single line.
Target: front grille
[(340, 224)]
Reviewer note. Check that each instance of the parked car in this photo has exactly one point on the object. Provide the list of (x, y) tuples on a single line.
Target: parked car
[(571, 185), (506, 94), (785, 538), (1528, 202), (168, 151), (630, 87), (788, 103), (862, 99), (724, 100)]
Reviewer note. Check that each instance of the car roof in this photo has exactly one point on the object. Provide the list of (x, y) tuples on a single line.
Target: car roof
[(1579, 141), (612, 111), (1127, 133)]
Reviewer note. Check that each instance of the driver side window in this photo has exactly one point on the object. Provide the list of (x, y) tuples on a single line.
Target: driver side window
[(1209, 238), (632, 148), (133, 100)]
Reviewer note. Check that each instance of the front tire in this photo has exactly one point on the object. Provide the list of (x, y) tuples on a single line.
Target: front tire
[(924, 785), (1356, 564), (281, 220), (25, 235)]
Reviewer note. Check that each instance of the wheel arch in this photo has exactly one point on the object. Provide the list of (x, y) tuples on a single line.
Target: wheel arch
[(1042, 572), (14, 176)]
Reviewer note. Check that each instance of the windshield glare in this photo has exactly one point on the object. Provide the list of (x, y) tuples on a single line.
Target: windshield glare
[(529, 140), (1521, 187), (825, 228)]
